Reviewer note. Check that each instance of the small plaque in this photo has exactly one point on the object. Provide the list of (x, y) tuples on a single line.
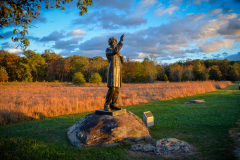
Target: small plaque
[(148, 119), (111, 113)]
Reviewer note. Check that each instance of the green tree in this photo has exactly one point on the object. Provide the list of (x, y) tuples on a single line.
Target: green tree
[(223, 68), (233, 72), (165, 78), (160, 73), (80, 65), (95, 78), (150, 68), (214, 73), (24, 72), (139, 74), (199, 70), (36, 64), (79, 79), (22, 12), (3, 74)]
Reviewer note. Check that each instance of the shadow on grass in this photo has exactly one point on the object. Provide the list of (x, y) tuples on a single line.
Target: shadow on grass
[(8, 117)]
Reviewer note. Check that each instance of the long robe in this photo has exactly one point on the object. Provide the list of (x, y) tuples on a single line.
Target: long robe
[(115, 66)]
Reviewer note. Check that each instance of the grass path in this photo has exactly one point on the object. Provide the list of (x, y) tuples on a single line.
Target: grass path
[(205, 126)]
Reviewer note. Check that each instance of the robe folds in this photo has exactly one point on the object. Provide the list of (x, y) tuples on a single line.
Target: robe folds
[(115, 60)]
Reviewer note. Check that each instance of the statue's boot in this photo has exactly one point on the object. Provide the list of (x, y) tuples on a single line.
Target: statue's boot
[(109, 97), (114, 104)]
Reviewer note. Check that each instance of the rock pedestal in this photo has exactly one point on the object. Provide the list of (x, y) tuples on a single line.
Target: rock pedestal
[(105, 130)]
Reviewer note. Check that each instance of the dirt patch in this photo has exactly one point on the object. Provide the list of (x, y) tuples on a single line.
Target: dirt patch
[(151, 155), (195, 102)]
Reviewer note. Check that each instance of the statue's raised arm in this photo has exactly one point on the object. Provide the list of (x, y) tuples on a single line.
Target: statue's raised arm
[(121, 38)]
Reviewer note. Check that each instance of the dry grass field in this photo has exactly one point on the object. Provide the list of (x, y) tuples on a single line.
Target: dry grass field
[(36, 101)]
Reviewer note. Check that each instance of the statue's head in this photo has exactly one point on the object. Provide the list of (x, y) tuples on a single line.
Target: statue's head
[(112, 41)]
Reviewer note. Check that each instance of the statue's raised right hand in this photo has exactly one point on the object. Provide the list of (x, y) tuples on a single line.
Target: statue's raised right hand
[(122, 37)]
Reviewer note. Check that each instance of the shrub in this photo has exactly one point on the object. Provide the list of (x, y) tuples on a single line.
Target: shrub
[(78, 78), (165, 78), (3, 75), (95, 78)]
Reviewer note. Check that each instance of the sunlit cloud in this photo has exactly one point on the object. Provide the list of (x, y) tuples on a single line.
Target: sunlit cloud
[(77, 32)]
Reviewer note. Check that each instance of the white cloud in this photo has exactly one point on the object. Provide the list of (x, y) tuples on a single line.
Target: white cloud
[(78, 32), (141, 55), (161, 11), (14, 50)]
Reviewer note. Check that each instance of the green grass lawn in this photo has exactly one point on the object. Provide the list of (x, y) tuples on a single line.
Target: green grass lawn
[(205, 126)]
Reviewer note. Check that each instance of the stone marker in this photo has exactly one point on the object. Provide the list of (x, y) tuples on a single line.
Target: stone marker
[(96, 130), (169, 146), (148, 119)]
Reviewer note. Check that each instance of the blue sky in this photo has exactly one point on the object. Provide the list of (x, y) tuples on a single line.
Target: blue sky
[(171, 30)]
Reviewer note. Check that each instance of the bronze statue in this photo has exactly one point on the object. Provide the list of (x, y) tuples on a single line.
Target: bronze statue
[(114, 81)]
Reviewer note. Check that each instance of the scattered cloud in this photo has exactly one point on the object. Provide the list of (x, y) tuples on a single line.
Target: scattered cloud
[(96, 43), (144, 6), (224, 53), (7, 34), (231, 27), (162, 10), (215, 11), (6, 45), (225, 9), (109, 20), (67, 44), (215, 45), (40, 19), (33, 38), (54, 36)]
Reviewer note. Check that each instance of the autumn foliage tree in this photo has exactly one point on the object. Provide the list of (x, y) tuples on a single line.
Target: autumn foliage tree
[(51, 67), (20, 14)]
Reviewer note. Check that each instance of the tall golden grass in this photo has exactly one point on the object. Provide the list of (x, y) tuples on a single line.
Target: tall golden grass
[(37, 101)]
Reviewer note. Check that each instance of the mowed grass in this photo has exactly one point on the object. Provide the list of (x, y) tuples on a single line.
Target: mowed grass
[(205, 126)]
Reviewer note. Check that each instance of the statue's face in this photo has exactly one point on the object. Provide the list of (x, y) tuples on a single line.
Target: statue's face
[(111, 42)]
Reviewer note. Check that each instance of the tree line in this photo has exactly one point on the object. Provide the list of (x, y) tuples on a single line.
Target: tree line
[(49, 66)]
